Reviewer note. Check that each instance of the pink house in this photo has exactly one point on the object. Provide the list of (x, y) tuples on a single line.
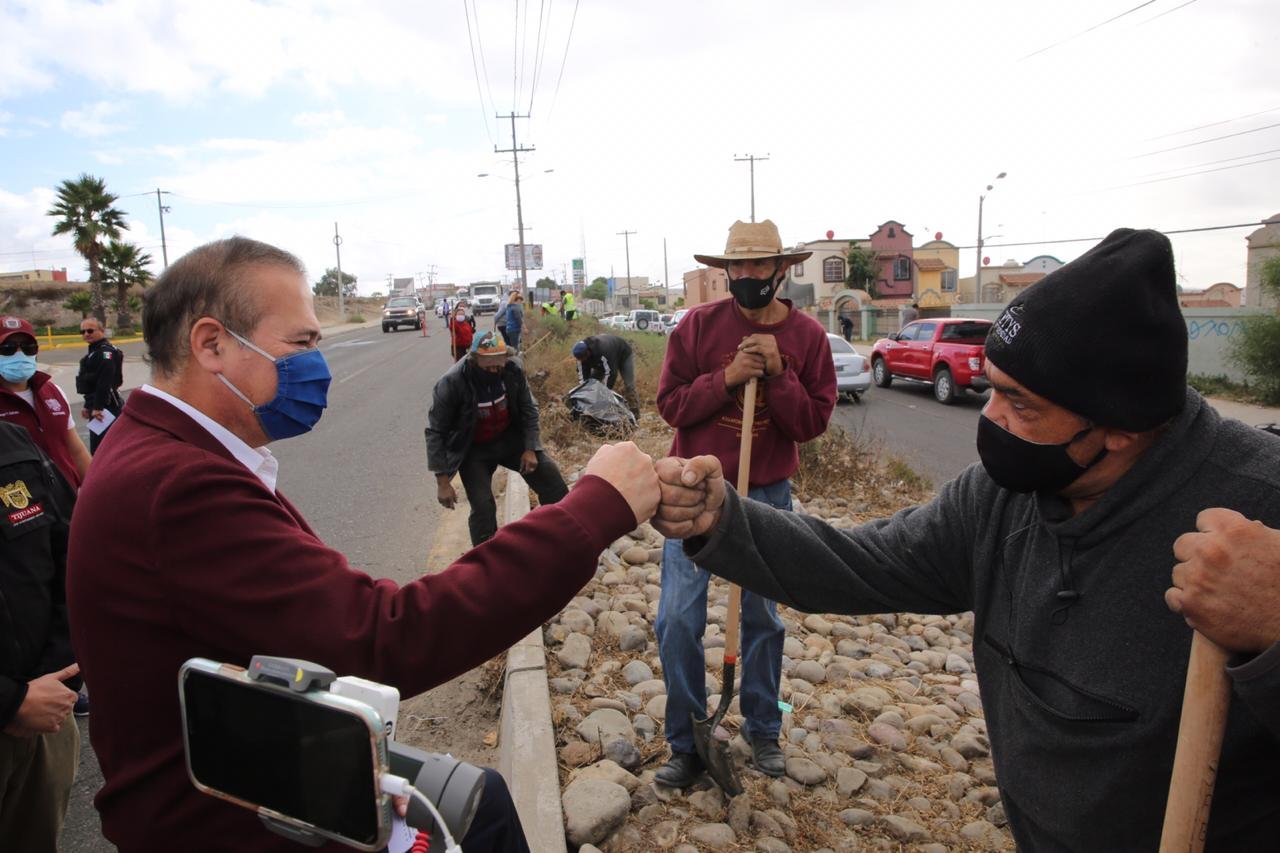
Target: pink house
[(892, 245)]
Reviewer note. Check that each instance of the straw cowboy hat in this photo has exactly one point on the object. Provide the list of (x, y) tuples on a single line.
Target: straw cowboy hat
[(748, 240)]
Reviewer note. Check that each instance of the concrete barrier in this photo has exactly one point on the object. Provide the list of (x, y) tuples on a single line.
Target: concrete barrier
[(527, 740)]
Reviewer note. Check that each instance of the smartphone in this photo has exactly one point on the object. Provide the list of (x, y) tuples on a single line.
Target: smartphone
[(310, 761)]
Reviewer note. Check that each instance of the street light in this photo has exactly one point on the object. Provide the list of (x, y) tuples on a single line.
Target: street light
[(977, 274)]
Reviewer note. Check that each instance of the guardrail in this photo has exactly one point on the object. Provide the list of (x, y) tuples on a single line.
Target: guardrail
[(49, 340)]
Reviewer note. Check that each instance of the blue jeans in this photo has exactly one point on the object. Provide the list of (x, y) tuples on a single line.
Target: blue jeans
[(682, 618)]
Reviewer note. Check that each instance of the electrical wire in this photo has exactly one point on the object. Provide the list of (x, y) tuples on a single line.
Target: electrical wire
[(515, 60), (484, 113), (1205, 141), (1089, 30), (565, 59), (484, 65), (1210, 124), (1202, 229), (1193, 174), (539, 53), (1170, 11), (1210, 163)]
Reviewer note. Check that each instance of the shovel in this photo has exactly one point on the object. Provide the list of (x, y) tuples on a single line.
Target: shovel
[(713, 751), (1205, 702)]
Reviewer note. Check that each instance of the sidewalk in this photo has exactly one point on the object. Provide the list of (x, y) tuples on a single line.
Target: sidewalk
[(1246, 412)]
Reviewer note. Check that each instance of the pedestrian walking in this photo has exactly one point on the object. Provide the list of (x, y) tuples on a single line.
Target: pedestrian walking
[(712, 354), (99, 379), (462, 328), (482, 416)]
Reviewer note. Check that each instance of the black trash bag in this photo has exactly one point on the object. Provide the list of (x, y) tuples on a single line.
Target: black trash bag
[(1274, 429), (599, 409)]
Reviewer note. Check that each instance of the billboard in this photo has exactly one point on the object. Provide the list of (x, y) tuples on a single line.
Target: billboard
[(532, 256), (579, 274)]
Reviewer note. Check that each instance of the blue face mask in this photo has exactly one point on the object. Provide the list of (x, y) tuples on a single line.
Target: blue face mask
[(302, 387), (18, 367)]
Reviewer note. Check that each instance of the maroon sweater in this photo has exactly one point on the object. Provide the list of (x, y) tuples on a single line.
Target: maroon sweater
[(178, 551), (48, 422), (792, 407)]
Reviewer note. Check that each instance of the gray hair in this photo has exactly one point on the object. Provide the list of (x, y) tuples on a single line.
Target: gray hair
[(205, 282)]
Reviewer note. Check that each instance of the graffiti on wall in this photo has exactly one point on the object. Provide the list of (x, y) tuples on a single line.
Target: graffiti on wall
[(1210, 328)]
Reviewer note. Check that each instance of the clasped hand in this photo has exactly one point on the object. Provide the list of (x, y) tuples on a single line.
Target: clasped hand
[(682, 497)]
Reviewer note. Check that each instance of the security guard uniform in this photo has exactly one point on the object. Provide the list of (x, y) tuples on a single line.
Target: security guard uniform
[(100, 377)]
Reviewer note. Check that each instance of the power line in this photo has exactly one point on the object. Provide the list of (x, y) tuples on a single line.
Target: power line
[(1205, 141), (1085, 32), (564, 60), (1210, 163), (1095, 239), (1162, 14), (515, 61), (476, 69), (539, 54), (484, 66), (1193, 174), (1210, 124)]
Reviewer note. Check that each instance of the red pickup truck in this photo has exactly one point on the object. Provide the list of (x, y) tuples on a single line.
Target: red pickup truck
[(947, 351)]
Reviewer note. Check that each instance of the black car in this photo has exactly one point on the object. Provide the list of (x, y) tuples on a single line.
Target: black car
[(403, 311)]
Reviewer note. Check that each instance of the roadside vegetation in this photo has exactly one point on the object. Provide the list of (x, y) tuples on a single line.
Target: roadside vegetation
[(1256, 350)]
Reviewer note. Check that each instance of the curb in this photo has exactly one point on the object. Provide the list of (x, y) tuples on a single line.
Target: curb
[(527, 743)]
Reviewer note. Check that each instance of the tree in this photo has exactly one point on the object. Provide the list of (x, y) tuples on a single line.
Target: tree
[(328, 284), (548, 282), (124, 265), (862, 269), (82, 301), (84, 210), (598, 289), (1256, 348)]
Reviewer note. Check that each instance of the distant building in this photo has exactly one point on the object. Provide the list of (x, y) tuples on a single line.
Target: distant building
[(705, 284), (1224, 294), (1263, 244), (34, 276)]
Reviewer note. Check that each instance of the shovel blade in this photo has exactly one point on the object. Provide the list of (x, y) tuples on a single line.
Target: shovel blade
[(713, 751)]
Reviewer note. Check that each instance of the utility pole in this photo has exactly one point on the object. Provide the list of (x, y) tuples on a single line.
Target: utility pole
[(977, 274), (751, 158), (515, 151), (666, 273), (626, 236), (163, 208), (337, 247)]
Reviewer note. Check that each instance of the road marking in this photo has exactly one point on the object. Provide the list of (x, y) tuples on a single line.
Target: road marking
[(350, 376), (349, 344)]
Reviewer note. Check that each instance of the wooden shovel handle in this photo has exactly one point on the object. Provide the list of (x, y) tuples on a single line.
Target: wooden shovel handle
[(744, 485), (1205, 702)]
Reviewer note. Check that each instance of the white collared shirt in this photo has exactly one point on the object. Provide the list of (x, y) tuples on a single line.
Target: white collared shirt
[(260, 462)]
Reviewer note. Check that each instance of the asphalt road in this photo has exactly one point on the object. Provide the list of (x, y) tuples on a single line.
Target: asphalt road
[(937, 441), (360, 478)]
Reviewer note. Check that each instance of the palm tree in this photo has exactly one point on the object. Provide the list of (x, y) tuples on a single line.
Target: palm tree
[(84, 210), (124, 265)]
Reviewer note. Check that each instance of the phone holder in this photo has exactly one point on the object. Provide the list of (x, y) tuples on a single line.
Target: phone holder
[(454, 786)]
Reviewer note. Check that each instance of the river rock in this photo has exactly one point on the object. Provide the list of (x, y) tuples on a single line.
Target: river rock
[(903, 829), (716, 836), (574, 652), (637, 672), (605, 725), (805, 771), (624, 752), (633, 639), (593, 809)]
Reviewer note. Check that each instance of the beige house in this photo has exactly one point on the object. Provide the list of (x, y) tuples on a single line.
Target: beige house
[(1224, 294), (1263, 244), (937, 264), (703, 285)]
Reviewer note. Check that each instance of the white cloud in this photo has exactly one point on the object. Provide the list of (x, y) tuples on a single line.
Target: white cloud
[(325, 119), (92, 120)]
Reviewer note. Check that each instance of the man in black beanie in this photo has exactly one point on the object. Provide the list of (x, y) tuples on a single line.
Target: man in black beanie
[(1096, 456)]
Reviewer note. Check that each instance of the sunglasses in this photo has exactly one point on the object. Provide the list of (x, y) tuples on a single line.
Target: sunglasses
[(87, 331), (9, 348)]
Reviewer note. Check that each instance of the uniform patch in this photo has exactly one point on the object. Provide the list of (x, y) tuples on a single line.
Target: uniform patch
[(54, 405), (15, 495), (12, 323), (18, 516), (107, 355)]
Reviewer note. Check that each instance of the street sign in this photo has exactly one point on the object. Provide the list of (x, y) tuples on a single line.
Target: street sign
[(579, 273), (532, 256)]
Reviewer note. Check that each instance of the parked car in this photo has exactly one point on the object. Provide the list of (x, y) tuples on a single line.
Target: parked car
[(403, 311), (672, 320), (643, 320), (613, 321), (853, 371), (949, 352)]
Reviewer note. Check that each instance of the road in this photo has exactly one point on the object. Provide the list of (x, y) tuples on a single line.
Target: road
[(937, 441), (360, 479)]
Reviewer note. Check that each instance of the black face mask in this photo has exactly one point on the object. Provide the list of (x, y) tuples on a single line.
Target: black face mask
[(1024, 466), (754, 293)]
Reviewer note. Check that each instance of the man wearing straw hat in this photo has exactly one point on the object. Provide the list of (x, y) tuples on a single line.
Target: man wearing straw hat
[(711, 356)]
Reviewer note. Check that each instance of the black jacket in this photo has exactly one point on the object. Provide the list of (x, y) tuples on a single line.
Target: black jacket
[(35, 515), (605, 355), (451, 421), (101, 373)]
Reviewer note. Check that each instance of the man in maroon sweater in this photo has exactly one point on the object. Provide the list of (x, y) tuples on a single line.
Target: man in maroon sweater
[(712, 354), (182, 546)]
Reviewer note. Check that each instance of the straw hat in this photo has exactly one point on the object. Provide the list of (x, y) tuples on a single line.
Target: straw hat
[(748, 240)]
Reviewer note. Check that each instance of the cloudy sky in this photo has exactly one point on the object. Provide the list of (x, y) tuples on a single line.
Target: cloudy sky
[(276, 119)]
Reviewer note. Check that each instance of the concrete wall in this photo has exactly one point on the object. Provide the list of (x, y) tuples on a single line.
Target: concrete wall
[(1209, 332)]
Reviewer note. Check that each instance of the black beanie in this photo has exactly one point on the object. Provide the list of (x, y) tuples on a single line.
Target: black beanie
[(1102, 336)]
